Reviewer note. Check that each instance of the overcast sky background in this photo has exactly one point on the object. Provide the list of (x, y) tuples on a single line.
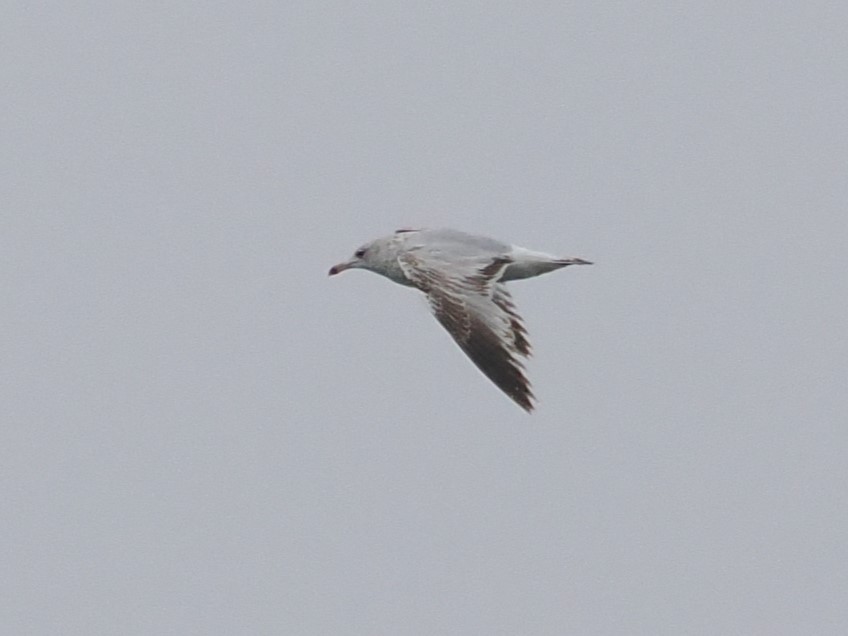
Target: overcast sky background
[(204, 434)]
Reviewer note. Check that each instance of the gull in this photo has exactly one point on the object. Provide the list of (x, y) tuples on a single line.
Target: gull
[(463, 277)]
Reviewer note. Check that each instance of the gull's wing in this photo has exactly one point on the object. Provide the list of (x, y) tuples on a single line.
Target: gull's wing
[(478, 312)]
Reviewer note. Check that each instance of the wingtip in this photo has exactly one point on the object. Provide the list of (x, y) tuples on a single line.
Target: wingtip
[(524, 398)]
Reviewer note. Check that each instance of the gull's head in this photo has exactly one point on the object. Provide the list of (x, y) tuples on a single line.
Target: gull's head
[(360, 259)]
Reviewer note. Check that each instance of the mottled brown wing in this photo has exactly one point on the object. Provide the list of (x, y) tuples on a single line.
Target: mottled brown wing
[(502, 298), (480, 316)]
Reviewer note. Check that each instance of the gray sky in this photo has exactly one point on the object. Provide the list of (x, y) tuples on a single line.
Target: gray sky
[(204, 434)]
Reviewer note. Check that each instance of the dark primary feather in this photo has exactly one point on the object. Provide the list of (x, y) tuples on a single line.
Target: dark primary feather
[(466, 306)]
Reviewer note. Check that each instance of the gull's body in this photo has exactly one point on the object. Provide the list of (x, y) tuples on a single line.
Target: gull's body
[(463, 276)]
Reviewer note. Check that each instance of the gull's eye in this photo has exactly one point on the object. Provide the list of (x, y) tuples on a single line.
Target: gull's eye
[(359, 253)]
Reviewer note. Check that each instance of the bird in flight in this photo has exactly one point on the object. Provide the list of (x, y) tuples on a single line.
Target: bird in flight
[(463, 277)]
